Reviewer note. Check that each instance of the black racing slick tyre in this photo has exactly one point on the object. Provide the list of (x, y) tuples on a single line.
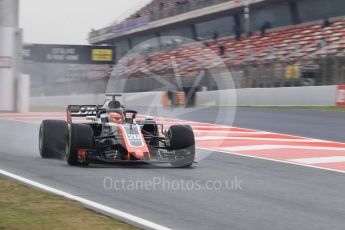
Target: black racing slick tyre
[(181, 140), (53, 139), (180, 137), (80, 136)]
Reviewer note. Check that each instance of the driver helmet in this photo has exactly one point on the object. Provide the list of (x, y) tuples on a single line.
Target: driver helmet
[(115, 118)]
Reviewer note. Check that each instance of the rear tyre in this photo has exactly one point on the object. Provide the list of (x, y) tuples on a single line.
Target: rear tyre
[(53, 139), (80, 136), (181, 140)]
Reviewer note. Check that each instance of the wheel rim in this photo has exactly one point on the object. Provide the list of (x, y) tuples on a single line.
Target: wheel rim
[(40, 141)]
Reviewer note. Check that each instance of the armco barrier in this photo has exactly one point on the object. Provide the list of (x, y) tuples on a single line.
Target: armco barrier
[(290, 96)]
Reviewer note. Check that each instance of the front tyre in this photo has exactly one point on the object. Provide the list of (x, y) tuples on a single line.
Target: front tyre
[(52, 139), (180, 139), (80, 136)]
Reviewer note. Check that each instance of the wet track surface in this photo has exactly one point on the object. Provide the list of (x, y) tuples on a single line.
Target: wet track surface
[(270, 195), (326, 125)]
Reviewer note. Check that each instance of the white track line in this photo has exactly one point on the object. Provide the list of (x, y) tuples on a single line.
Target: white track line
[(267, 147), (207, 126), (126, 217), (319, 160), (274, 160), (268, 132), (229, 132), (221, 138)]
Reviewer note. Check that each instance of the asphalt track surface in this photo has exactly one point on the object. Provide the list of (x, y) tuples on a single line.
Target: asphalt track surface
[(271, 195), (321, 124)]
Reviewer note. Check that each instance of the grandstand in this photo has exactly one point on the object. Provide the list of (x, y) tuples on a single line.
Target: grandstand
[(200, 19), (303, 42), (159, 9), (279, 43), (264, 43)]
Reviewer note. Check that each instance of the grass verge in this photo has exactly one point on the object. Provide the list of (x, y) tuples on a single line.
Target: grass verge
[(22, 207)]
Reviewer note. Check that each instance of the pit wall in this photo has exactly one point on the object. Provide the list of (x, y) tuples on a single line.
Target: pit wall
[(290, 96)]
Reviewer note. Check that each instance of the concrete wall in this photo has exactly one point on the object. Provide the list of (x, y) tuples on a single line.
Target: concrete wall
[(291, 96), (130, 99), (63, 101), (288, 96), (294, 96)]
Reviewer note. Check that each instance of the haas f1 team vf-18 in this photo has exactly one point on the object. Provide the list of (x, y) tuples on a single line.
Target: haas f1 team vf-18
[(114, 135)]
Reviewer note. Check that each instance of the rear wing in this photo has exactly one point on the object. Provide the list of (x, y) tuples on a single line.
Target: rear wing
[(82, 111)]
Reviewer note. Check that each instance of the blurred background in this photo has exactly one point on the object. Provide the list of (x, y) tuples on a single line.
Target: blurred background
[(264, 44)]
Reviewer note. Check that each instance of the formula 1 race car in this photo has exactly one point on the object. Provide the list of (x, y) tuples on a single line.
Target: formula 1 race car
[(114, 134)]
